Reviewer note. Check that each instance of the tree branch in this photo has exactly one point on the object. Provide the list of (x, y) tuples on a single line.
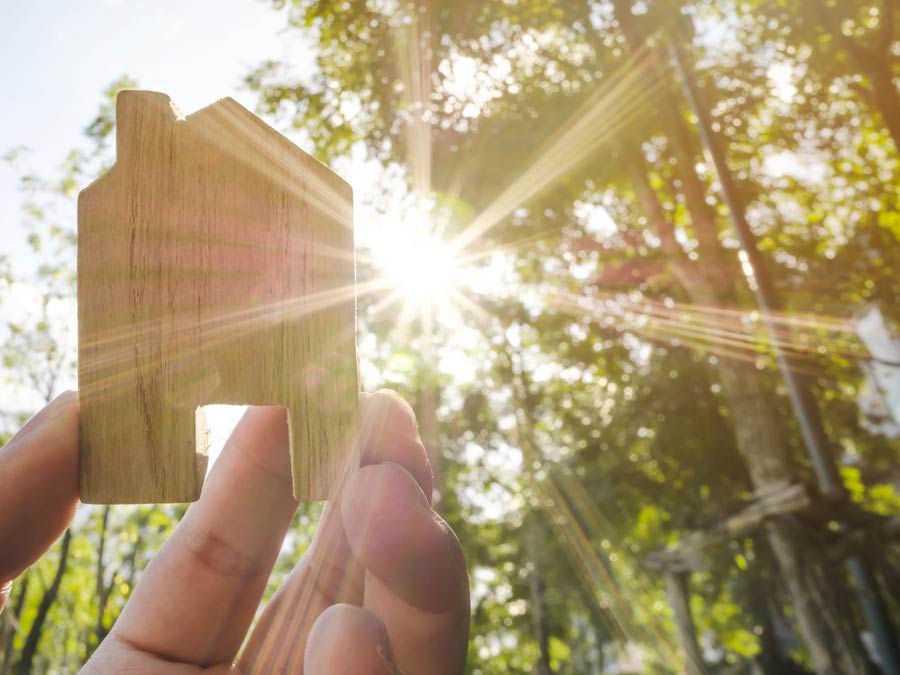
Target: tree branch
[(49, 597)]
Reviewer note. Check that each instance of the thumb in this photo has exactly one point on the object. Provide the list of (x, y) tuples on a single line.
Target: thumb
[(349, 640)]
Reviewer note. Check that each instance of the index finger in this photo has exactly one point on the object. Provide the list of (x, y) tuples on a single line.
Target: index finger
[(198, 595), (38, 485)]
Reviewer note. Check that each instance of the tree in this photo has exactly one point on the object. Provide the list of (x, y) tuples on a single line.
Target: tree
[(616, 390), (651, 174)]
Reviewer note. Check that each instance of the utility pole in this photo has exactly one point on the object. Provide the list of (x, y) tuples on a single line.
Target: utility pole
[(803, 402)]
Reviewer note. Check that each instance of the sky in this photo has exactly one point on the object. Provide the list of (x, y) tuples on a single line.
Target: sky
[(67, 54), (60, 56)]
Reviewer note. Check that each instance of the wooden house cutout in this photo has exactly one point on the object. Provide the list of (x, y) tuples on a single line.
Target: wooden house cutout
[(215, 265)]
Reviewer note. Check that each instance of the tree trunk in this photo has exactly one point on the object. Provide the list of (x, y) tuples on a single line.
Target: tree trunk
[(834, 645), (872, 60), (524, 403), (762, 601), (885, 98), (679, 599), (827, 627), (104, 587), (37, 627), (538, 599)]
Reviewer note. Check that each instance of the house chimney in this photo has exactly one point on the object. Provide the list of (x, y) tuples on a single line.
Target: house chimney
[(143, 119)]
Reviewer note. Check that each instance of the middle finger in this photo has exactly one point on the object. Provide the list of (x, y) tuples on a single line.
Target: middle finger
[(328, 573)]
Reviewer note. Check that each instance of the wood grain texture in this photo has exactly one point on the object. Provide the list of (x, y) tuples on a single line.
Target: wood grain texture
[(215, 265)]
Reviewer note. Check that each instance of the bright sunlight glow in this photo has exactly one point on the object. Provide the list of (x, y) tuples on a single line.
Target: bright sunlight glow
[(420, 266), (419, 270)]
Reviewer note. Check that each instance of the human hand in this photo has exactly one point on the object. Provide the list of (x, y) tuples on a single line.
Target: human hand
[(382, 589)]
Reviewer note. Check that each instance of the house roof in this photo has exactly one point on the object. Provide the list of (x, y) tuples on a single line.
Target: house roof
[(227, 120)]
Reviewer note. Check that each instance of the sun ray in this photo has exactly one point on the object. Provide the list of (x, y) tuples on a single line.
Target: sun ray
[(414, 54), (116, 370), (591, 126), (578, 541), (739, 338)]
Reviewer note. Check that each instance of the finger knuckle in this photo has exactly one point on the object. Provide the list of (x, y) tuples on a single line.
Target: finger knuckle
[(215, 553)]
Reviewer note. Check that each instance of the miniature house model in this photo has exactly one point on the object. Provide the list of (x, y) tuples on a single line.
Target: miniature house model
[(215, 265)]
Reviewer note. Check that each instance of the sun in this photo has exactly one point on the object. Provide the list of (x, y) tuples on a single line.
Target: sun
[(419, 271), (417, 265), (421, 267)]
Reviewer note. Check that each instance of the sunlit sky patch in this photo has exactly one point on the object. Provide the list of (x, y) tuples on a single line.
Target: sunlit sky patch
[(175, 46)]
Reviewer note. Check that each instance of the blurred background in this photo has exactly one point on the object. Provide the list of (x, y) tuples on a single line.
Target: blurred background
[(637, 268)]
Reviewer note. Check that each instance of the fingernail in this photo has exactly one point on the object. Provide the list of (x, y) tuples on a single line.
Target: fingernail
[(385, 653)]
